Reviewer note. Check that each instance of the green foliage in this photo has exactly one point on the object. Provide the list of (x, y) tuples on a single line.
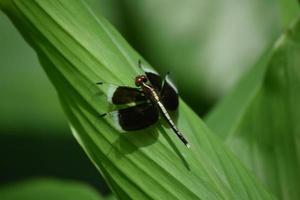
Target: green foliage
[(289, 9), (48, 189), (78, 49), (259, 120)]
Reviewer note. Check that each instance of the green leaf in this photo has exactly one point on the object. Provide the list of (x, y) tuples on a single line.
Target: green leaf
[(289, 9), (259, 120), (78, 49), (48, 189)]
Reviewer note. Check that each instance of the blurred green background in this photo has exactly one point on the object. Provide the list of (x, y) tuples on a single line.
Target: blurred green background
[(206, 45)]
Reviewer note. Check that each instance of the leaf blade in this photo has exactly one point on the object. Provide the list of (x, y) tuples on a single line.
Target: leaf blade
[(263, 129)]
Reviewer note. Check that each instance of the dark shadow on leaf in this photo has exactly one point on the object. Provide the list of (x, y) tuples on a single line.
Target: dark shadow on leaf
[(176, 150), (129, 142)]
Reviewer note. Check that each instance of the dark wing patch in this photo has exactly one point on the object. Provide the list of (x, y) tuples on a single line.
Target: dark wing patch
[(155, 80), (123, 95), (137, 117), (169, 95), (153, 76)]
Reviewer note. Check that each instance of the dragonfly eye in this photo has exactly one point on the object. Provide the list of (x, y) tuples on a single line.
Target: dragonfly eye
[(140, 79)]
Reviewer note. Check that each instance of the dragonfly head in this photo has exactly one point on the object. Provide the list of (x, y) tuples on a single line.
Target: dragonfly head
[(139, 80)]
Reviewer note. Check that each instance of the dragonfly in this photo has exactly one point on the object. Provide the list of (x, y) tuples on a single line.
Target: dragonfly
[(152, 97)]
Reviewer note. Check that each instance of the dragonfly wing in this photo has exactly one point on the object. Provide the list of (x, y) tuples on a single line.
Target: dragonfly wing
[(169, 95), (119, 95), (136, 117)]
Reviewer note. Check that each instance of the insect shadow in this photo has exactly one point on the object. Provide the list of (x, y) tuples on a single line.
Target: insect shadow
[(172, 144), (168, 138), (129, 142), (138, 139)]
